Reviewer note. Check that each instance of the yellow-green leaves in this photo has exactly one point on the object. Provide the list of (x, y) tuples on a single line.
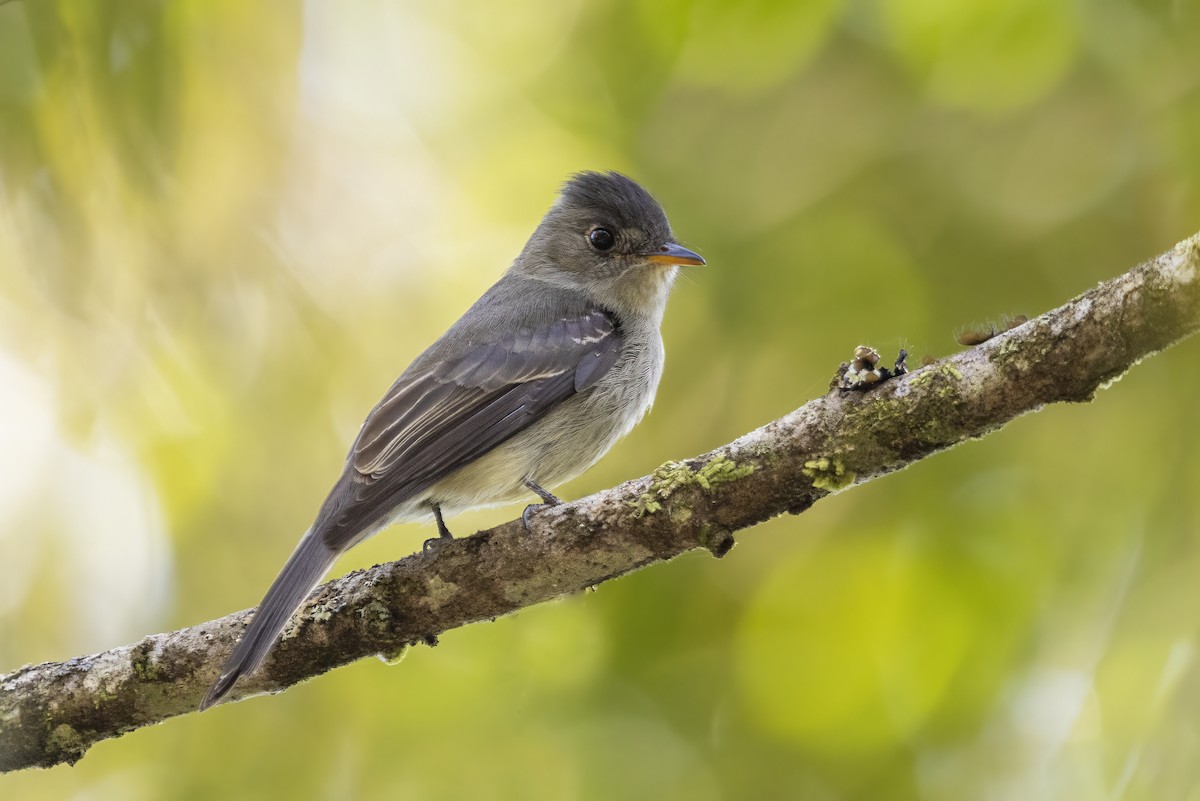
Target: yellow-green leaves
[(987, 54)]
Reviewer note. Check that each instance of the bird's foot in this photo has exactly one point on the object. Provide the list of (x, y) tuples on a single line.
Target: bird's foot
[(548, 500), (433, 543), (531, 510)]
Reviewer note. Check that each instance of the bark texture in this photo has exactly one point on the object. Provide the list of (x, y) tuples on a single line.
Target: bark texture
[(53, 712)]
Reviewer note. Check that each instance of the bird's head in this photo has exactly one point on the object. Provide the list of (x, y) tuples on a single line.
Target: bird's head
[(607, 236)]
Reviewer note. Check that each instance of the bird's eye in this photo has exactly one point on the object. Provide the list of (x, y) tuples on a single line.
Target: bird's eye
[(601, 238)]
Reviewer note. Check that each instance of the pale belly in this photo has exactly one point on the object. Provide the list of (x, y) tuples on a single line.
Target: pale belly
[(558, 447)]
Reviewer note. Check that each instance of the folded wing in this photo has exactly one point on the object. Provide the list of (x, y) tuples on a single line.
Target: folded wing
[(452, 412)]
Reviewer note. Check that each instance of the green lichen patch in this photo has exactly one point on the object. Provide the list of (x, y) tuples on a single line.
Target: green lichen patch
[(673, 476), (1019, 353), (376, 615), (1005, 350), (318, 613), (291, 630), (65, 744), (945, 370), (143, 666), (438, 592), (680, 514), (721, 470), (827, 474)]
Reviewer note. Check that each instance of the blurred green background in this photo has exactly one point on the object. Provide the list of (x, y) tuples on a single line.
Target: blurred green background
[(225, 227)]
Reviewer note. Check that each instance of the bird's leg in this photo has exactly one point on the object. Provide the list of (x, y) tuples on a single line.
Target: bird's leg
[(443, 532), (548, 500)]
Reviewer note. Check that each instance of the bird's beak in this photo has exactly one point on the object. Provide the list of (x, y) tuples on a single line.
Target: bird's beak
[(672, 255)]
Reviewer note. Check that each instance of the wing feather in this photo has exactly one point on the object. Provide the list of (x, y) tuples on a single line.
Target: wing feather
[(454, 411)]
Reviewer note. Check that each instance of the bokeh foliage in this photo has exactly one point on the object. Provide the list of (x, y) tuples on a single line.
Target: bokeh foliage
[(225, 227)]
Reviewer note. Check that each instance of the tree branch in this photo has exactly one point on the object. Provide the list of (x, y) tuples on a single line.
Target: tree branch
[(53, 712)]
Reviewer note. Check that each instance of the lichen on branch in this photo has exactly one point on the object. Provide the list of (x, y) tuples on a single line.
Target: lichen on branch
[(53, 712)]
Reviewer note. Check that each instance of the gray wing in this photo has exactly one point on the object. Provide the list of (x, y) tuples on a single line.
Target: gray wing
[(449, 413)]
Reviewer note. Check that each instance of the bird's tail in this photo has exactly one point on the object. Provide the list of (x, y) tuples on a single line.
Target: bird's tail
[(303, 571)]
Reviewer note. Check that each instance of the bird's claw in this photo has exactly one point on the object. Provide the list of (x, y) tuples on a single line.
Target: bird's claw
[(532, 509), (433, 543), (549, 499)]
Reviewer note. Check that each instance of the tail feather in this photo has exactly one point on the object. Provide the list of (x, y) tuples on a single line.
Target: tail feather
[(303, 571)]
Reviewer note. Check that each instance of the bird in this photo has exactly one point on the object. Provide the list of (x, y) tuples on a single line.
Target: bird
[(536, 381)]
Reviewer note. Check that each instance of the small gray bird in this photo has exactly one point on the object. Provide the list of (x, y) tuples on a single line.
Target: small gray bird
[(554, 364)]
